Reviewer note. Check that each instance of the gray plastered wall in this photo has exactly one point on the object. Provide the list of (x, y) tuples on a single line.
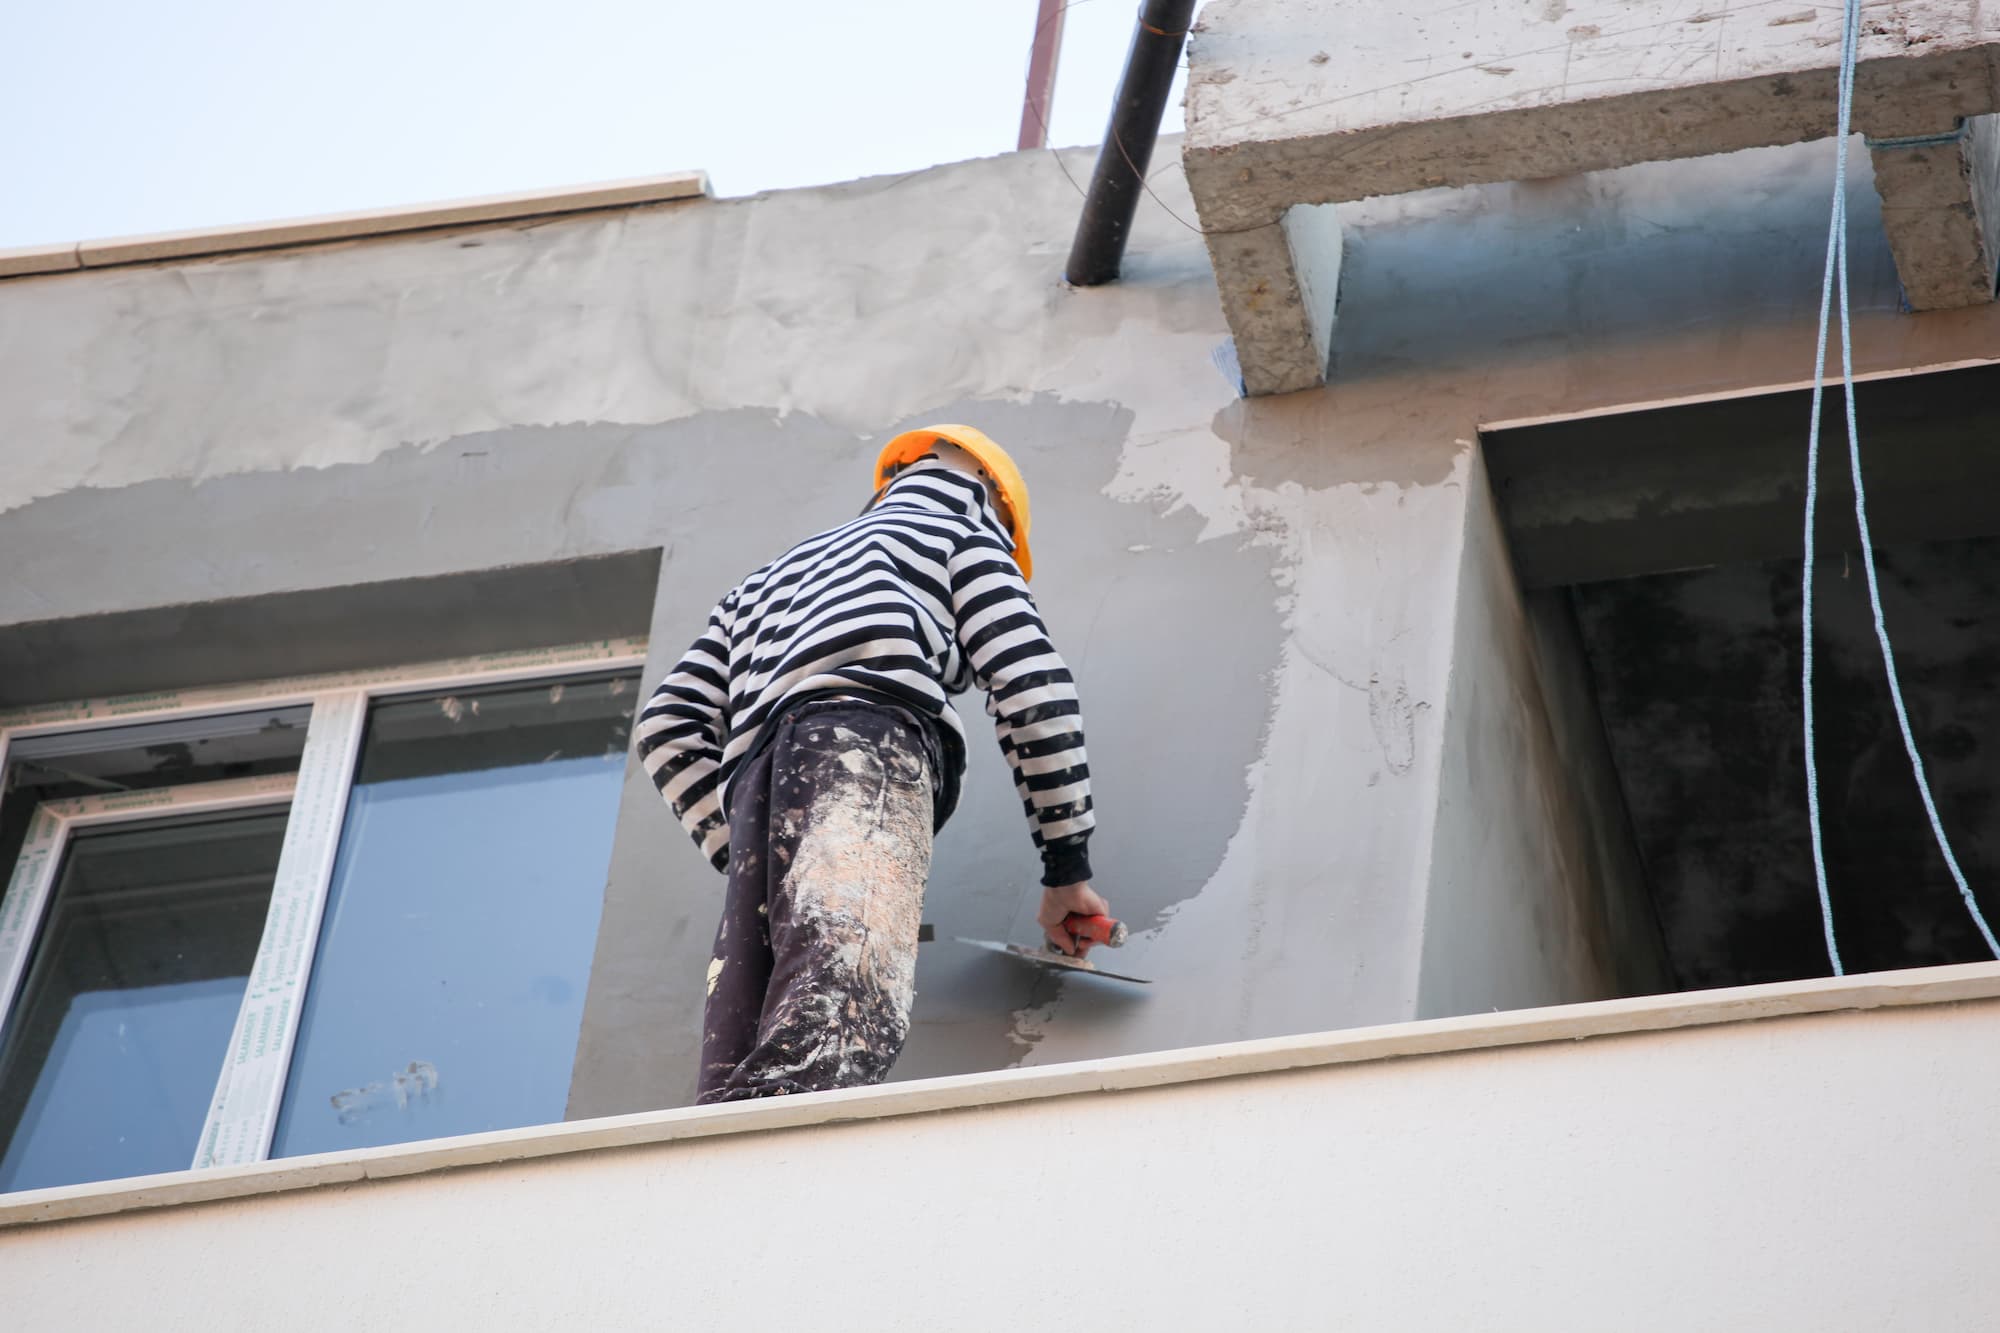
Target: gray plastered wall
[(1262, 598)]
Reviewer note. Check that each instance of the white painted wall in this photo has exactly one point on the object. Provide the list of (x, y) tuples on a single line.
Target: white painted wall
[(1828, 1171)]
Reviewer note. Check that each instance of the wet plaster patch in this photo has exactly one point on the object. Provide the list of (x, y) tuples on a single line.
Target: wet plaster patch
[(1167, 610), (1171, 623), (1311, 919)]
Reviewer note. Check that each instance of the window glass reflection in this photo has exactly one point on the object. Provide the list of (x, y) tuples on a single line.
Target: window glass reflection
[(448, 987), (110, 1059)]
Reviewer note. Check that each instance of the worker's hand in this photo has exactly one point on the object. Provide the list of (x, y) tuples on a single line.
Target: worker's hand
[(1058, 903)]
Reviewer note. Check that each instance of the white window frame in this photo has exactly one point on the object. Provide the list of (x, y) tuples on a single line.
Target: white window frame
[(243, 1114)]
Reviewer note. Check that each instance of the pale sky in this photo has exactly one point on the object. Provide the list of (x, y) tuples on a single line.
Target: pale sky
[(118, 117)]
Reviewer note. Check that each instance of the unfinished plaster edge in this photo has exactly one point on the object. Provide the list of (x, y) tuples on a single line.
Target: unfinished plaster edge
[(1443, 1036), (207, 242)]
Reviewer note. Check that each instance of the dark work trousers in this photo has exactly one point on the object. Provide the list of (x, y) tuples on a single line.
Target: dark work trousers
[(815, 959)]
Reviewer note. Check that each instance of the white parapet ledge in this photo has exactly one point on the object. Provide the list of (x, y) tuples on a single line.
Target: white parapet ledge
[(208, 241), (1444, 1036), (23, 260)]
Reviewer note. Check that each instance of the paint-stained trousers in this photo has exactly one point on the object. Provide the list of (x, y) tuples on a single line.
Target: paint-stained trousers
[(815, 959)]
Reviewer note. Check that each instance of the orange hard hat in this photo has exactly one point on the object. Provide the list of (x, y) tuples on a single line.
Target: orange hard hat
[(914, 444)]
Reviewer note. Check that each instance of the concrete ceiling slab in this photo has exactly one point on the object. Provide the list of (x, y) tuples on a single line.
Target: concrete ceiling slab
[(1304, 103), (1676, 531), (1699, 484)]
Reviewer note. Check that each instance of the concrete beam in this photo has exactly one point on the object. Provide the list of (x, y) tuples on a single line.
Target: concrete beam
[(1278, 283), (1309, 102), (1941, 208)]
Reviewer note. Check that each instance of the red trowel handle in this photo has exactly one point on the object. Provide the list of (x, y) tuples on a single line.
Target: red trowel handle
[(1098, 929)]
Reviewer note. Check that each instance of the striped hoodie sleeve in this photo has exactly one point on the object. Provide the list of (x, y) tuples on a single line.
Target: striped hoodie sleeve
[(680, 737), (1032, 699)]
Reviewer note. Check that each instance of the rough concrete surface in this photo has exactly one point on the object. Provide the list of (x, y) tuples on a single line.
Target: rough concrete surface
[(1423, 72), (1941, 210), (1313, 102)]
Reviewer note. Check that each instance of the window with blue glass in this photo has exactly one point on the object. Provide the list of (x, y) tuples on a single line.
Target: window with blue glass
[(456, 944), (387, 892), (127, 1008)]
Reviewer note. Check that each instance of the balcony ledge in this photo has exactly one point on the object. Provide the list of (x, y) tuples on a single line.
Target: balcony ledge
[(1480, 1032)]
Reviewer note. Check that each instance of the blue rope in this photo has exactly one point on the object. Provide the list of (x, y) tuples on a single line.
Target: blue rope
[(1835, 227), (1836, 266)]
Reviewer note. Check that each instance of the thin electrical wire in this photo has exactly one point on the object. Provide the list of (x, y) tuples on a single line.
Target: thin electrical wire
[(1837, 269), (1040, 119), (1147, 186), (1144, 182)]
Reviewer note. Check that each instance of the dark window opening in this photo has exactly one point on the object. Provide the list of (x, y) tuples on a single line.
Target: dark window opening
[(1673, 536)]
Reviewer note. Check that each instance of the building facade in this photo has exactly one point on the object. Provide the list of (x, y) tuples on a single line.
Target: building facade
[(1437, 710)]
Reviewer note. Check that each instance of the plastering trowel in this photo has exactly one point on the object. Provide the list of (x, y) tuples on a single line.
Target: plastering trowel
[(1100, 929)]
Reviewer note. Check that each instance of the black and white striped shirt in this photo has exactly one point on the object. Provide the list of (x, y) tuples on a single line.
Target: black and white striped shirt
[(917, 599)]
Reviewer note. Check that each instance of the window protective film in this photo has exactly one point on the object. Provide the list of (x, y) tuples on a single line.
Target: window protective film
[(448, 987), (182, 752), (112, 1052)]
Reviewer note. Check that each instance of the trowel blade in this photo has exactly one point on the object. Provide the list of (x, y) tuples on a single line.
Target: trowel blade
[(1050, 958)]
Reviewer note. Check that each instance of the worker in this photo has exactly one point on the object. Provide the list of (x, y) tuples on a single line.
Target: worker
[(807, 743)]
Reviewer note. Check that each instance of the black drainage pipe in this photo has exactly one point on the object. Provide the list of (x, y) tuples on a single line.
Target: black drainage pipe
[(1128, 142)]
